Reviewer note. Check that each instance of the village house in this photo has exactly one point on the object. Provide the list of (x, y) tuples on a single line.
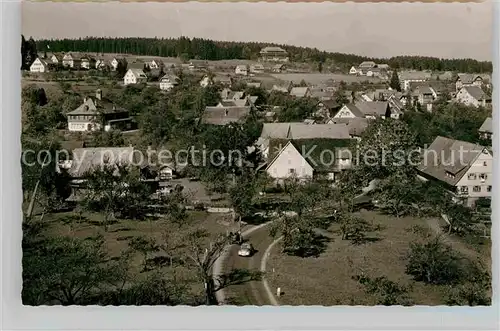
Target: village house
[(168, 82), (223, 80), (85, 160), (39, 65), (277, 68), (241, 69), (463, 168), (156, 64), (300, 92), (225, 115), (486, 129), (425, 96), (101, 63), (326, 109), (257, 68), (87, 62), (206, 81), (407, 77), (115, 61), (293, 130), (134, 76), (97, 114), (56, 59), (355, 125), (468, 80), (473, 96), (274, 54), (372, 110), (308, 159), (71, 60)]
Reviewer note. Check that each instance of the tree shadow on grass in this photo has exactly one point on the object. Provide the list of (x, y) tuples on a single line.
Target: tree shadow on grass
[(237, 277)]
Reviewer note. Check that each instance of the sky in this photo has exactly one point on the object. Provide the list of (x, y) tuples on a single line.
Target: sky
[(447, 30)]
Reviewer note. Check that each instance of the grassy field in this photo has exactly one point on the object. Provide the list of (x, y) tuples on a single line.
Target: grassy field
[(317, 78), (327, 279), (120, 233)]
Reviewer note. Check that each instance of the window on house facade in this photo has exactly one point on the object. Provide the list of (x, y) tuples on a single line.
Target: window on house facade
[(291, 171), (483, 176), (464, 189), (488, 188), (476, 189), (485, 163), (472, 176)]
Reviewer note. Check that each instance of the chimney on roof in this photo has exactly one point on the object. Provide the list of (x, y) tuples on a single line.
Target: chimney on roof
[(98, 94)]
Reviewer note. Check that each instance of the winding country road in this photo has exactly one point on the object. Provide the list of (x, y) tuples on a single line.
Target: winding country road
[(253, 292), (256, 292)]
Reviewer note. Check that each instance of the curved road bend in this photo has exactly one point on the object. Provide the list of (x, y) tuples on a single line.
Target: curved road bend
[(253, 292)]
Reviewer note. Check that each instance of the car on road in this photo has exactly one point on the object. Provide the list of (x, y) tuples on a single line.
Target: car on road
[(246, 249)]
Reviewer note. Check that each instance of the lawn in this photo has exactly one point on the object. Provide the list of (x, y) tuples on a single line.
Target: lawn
[(327, 279)]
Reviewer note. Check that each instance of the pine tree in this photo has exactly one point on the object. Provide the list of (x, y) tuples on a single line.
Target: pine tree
[(395, 85)]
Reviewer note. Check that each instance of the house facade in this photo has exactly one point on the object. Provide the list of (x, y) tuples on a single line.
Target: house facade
[(257, 68), (289, 163), (241, 69), (473, 96), (463, 168), (134, 76), (468, 80), (97, 114), (308, 159), (70, 60), (168, 82), (87, 62), (369, 109), (276, 54), (39, 65)]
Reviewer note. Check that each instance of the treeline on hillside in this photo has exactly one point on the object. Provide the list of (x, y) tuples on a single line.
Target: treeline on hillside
[(204, 49)]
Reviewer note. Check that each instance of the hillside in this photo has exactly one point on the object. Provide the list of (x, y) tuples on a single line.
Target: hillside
[(204, 49)]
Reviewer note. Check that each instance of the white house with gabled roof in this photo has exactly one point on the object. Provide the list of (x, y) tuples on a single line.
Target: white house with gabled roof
[(134, 76)]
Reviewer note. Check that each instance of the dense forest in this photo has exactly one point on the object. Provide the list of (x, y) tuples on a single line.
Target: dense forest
[(196, 48)]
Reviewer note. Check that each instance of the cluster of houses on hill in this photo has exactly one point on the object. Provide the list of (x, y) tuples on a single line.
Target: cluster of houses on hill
[(370, 69)]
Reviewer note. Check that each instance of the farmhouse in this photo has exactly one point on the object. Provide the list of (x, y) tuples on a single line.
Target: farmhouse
[(39, 65), (274, 54), (292, 130), (473, 96), (97, 114), (407, 77), (369, 109), (71, 60), (463, 168), (168, 82), (307, 159), (468, 80), (134, 76)]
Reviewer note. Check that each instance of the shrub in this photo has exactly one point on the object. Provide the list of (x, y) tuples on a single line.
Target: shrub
[(434, 263)]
